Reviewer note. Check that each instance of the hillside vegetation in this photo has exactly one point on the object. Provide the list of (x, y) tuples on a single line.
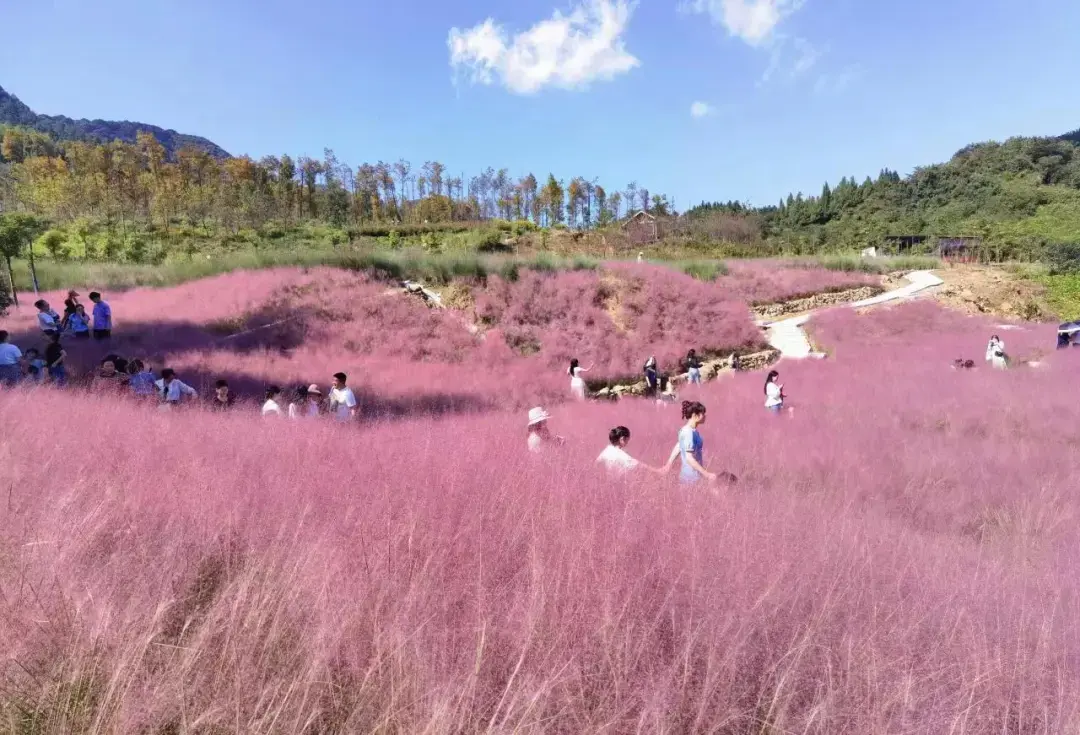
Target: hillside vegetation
[(13, 112), (1018, 196), (140, 200)]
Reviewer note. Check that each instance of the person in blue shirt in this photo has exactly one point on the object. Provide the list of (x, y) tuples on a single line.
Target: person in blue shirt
[(78, 322), (102, 316), (690, 449), (142, 379)]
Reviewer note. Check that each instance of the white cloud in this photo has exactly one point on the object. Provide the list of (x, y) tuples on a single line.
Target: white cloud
[(838, 82), (753, 21), (700, 109), (565, 51), (793, 55)]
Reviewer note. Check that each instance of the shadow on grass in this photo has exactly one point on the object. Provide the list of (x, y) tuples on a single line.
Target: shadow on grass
[(268, 331)]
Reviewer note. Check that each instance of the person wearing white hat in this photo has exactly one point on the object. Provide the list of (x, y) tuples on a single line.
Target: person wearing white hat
[(539, 433), (306, 404)]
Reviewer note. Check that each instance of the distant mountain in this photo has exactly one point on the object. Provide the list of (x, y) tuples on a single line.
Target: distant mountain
[(14, 112), (1073, 137)]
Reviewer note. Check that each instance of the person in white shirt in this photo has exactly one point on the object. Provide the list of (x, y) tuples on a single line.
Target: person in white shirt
[(774, 393), (271, 407), (306, 404), (171, 389), (48, 320), (540, 435), (342, 399), (577, 383), (615, 459), (995, 353), (10, 361)]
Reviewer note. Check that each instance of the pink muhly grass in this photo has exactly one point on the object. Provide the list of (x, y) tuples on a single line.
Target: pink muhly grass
[(771, 281), (898, 556)]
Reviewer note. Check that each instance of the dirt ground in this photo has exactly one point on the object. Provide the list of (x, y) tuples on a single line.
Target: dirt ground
[(977, 289)]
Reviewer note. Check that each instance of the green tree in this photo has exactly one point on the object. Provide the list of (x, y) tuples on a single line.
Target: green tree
[(17, 231)]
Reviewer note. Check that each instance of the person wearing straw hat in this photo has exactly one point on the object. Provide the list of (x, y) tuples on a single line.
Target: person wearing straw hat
[(539, 433)]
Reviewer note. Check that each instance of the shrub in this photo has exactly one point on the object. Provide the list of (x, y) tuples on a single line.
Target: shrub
[(54, 244), (1063, 258)]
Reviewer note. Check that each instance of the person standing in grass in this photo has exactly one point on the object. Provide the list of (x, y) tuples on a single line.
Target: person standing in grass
[(693, 368), (102, 316), (173, 390), (342, 399), (691, 448), (71, 303), (48, 320), (55, 355), (995, 353), (615, 459), (223, 398), (107, 377), (577, 383), (306, 404), (271, 407), (78, 322), (11, 358), (540, 434), (774, 393), (652, 377), (141, 380)]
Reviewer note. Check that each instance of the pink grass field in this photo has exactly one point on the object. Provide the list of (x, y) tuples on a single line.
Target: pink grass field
[(404, 357), (899, 556)]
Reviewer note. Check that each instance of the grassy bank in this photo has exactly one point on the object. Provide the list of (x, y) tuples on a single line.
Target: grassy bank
[(400, 265), (876, 266)]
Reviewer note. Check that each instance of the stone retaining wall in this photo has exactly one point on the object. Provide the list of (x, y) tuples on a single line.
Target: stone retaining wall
[(817, 301)]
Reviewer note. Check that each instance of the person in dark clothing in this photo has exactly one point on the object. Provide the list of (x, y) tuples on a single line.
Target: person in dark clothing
[(71, 304), (223, 398), (652, 378), (54, 360), (693, 368)]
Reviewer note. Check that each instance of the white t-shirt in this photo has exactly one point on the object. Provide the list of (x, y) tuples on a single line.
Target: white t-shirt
[(9, 354), (47, 321), (536, 442), (615, 459), (271, 408), (772, 395), (342, 400)]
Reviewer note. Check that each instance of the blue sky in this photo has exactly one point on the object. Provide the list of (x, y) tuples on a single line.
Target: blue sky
[(792, 93)]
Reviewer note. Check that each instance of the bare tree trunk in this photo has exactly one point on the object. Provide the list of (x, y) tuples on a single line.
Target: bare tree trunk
[(11, 281), (33, 271)]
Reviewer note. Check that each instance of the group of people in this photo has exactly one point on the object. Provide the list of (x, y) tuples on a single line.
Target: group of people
[(689, 447), (118, 374), (306, 401), (661, 387)]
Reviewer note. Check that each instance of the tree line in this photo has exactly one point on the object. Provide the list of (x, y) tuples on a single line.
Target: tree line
[(126, 184), (1018, 197)]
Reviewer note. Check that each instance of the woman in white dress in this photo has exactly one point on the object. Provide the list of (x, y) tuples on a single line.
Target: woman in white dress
[(995, 353), (577, 383)]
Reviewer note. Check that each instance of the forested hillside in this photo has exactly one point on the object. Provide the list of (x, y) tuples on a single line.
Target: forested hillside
[(13, 112), (1017, 196), (138, 200)]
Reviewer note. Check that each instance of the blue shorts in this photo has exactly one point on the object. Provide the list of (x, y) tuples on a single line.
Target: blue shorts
[(775, 409)]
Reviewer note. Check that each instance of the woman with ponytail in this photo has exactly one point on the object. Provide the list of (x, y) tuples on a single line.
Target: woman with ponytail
[(577, 383), (691, 447)]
